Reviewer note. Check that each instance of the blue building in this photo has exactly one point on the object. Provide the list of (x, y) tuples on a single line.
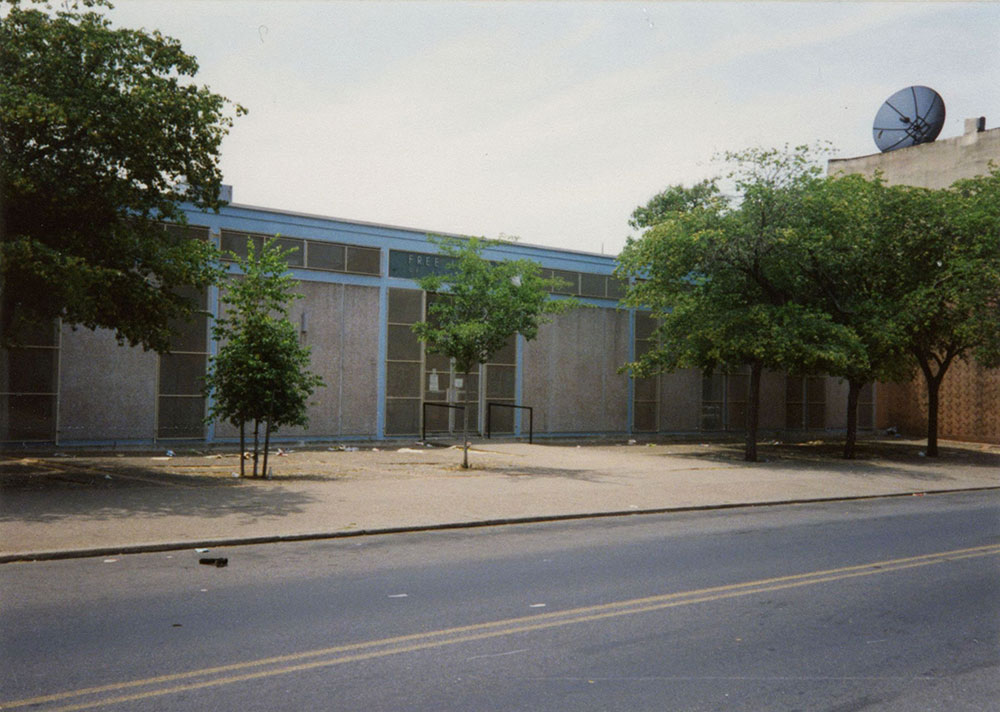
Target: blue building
[(360, 299)]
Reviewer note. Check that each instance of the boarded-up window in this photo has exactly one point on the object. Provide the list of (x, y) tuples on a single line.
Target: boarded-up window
[(29, 384)]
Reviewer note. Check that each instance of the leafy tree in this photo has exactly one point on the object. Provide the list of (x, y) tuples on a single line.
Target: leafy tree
[(942, 265), (842, 251), (260, 372), (675, 199), (720, 278), (102, 139), (484, 303)]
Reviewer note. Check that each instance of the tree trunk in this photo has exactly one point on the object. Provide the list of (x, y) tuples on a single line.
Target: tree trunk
[(243, 448), (933, 388), (267, 444), (853, 391), (933, 381), (753, 412), (256, 444), (465, 425)]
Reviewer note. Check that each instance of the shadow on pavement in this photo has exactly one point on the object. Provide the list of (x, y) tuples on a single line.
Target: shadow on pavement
[(41, 490), (872, 458)]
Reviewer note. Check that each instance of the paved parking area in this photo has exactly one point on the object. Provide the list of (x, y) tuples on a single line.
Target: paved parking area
[(74, 501)]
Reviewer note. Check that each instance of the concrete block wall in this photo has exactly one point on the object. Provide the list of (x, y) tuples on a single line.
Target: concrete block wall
[(570, 373), (106, 391), (342, 332), (930, 165), (680, 401)]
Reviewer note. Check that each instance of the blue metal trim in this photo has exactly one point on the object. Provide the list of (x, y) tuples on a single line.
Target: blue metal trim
[(518, 381), (383, 328), (631, 379)]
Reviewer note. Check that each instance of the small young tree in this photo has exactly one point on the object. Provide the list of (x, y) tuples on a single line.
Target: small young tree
[(260, 373), (483, 304)]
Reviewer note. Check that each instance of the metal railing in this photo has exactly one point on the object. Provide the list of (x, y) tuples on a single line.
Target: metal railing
[(531, 417), (423, 419)]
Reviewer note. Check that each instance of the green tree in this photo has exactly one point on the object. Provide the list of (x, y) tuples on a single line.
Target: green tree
[(483, 304), (720, 276), (942, 261), (260, 373), (675, 199), (102, 140), (842, 244)]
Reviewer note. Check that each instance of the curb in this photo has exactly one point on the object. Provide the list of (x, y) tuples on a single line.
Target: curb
[(478, 524)]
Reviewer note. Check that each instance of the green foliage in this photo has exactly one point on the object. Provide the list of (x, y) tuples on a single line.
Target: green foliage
[(720, 279), (481, 305), (841, 275), (675, 199), (484, 304), (101, 140), (260, 373), (942, 260)]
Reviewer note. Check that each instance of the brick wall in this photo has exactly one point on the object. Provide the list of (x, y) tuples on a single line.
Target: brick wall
[(969, 404)]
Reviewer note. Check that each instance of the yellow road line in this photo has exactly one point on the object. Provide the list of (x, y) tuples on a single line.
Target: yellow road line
[(462, 634)]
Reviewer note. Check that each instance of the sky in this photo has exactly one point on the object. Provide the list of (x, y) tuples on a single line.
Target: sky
[(551, 121)]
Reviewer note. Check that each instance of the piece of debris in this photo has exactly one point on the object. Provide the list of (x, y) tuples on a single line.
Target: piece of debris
[(375, 449), (632, 442), (170, 453), (410, 449), (235, 474), (216, 561), (202, 551), (110, 561), (398, 595)]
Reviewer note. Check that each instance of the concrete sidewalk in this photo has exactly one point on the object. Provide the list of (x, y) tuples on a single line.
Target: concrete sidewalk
[(74, 505)]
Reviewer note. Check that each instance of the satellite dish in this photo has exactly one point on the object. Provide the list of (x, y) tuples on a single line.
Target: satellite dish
[(908, 117)]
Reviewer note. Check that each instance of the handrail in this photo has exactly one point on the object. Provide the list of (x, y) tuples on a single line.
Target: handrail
[(423, 419), (531, 417)]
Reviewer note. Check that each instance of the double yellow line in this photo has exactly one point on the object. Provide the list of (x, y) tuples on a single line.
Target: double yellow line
[(106, 695)]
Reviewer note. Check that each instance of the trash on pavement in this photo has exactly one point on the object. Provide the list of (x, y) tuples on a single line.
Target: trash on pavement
[(218, 562)]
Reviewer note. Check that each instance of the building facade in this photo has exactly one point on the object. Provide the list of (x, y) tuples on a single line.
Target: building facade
[(970, 394), (360, 299)]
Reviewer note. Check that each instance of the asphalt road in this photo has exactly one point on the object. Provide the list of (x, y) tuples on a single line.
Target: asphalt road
[(889, 604)]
